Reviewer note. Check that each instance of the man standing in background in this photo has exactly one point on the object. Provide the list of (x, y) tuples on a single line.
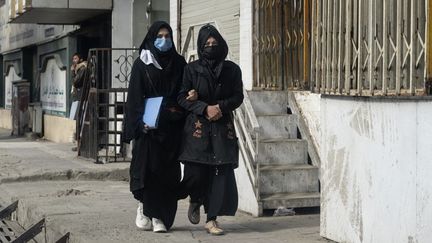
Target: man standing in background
[(78, 69)]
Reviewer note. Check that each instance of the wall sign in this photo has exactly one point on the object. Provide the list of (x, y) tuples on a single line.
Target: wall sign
[(53, 88)]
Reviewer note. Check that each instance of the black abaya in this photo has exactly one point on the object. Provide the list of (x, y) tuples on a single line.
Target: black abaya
[(154, 169)]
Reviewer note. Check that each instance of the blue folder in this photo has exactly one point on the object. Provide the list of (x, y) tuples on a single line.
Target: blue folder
[(152, 107)]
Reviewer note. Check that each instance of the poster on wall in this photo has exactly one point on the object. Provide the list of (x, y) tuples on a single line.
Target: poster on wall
[(53, 88), (10, 77)]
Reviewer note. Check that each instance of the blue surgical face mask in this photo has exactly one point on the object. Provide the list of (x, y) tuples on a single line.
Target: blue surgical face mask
[(163, 44)]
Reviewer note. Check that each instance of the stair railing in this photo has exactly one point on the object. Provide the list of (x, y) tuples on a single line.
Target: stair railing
[(247, 128)]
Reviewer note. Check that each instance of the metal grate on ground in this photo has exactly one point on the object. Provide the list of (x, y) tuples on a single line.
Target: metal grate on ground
[(12, 231)]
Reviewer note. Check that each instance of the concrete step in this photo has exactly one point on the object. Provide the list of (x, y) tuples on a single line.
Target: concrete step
[(269, 102), (282, 151), (288, 179), (290, 200), (278, 126)]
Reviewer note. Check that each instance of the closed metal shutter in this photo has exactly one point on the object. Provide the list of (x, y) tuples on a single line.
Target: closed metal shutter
[(225, 14)]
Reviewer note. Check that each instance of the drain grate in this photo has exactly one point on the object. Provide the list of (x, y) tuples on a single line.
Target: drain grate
[(6, 233), (9, 230), (12, 232)]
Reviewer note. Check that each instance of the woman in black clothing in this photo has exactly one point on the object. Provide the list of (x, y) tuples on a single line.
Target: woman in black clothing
[(155, 170), (212, 88)]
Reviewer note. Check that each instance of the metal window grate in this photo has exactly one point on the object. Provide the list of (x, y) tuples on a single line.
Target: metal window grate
[(281, 39), (368, 47)]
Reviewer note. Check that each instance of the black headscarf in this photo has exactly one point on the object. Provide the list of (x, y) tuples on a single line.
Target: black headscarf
[(163, 58), (213, 66), (149, 81)]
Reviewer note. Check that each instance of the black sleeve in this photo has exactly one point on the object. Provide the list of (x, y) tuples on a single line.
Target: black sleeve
[(236, 99), (133, 124), (78, 78), (197, 107)]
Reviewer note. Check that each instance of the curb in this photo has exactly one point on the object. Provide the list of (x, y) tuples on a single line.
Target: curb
[(112, 175)]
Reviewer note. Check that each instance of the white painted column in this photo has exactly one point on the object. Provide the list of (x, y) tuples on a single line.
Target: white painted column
[(122, 32), (173, 21), (122, 23), (246, 52)]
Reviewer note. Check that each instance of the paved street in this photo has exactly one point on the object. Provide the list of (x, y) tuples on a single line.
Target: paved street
[(93, 202)]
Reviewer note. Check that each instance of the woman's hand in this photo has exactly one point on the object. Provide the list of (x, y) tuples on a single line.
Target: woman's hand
[(192, 95), (146, 129), (213, 112)]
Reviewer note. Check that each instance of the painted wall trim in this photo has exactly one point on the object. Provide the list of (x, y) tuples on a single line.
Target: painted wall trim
[(58, 60)]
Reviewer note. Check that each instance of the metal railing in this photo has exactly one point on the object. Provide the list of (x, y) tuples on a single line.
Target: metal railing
[(368, 47), (103, 103), (11, 231), (281, 38), (248, 129), (245, 120)]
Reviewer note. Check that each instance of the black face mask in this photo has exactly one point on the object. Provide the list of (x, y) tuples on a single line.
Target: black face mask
[(211, 52)]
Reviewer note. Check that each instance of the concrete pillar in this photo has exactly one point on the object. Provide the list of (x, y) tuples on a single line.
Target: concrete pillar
[(246, 47)]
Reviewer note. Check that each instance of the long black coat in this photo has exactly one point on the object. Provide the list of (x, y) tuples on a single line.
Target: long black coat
[(204, 141), (155, 170), (158, 150)]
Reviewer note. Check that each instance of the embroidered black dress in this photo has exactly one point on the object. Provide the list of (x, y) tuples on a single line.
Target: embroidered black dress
[(155, 170)]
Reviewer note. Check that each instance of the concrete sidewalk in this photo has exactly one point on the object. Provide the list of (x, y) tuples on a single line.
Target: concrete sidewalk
[(24, 159), (93, 201)]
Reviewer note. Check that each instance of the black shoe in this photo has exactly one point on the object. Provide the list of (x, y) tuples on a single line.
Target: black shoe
[(194, 212)]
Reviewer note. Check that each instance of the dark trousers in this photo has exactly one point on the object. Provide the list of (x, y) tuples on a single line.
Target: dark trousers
[(213, 186)]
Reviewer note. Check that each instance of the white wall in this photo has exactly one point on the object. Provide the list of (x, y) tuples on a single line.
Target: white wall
[(247, 201), (173, 21), (376, 171), (309, 104), (5, 118), (246, 62), (122, 34), (122, 23), (58, 129), (140, 21)]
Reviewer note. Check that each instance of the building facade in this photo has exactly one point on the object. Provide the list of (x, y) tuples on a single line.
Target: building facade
[(38, 39)]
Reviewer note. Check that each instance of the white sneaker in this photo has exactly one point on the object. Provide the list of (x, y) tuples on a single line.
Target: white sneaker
[(142, 222), (158, 226)]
